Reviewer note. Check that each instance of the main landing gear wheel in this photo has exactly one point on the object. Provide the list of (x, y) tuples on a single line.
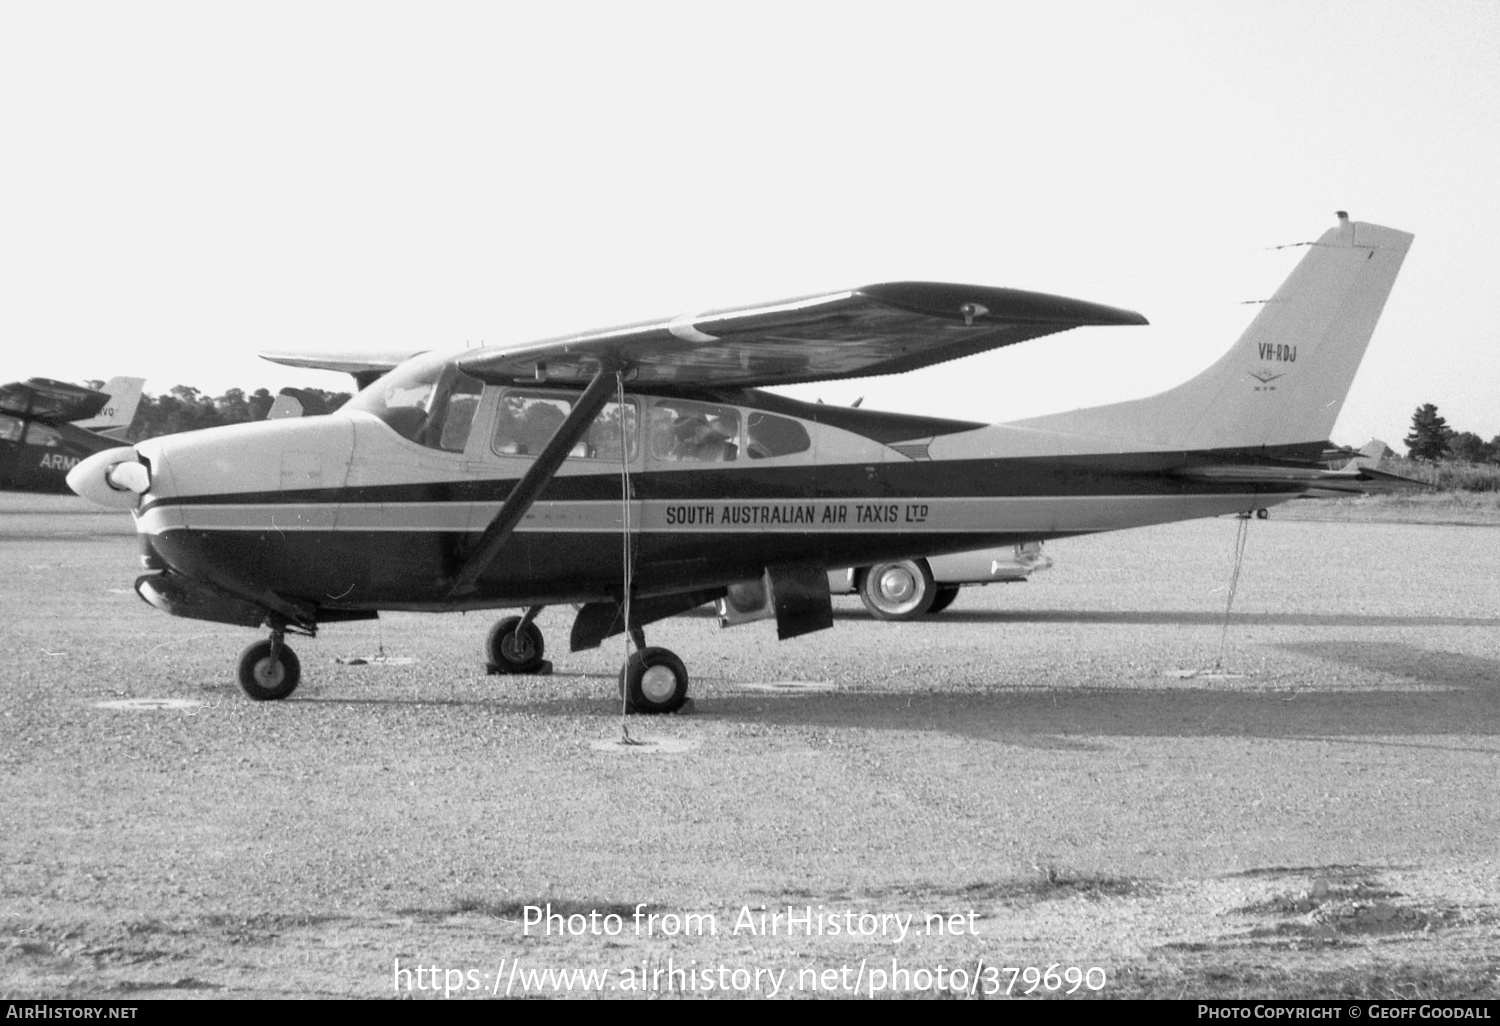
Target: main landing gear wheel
[(268, 678), (515, 645), (943, 599), (654, 681), (903, 590)]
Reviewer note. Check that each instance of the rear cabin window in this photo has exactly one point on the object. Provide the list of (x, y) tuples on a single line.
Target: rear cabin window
[(527, 421), (691, 432), (767, 436)]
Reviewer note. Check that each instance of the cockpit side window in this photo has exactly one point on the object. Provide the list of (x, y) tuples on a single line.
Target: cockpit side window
[(428, 401), (44, 435), (450, 426), (527, 421), (10, 428)]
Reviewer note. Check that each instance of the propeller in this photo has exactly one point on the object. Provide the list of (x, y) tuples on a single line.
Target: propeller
[(115, 478), (129, 477)]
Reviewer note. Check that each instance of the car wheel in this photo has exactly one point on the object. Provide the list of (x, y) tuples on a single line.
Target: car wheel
[(903, 590)]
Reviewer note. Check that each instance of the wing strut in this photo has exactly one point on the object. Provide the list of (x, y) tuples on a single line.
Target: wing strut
[(521, 497)]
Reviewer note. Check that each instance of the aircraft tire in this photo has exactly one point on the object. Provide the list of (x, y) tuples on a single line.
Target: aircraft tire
[(900, 590), (515, 651), (265, 681), (943, 599), (654, 682)]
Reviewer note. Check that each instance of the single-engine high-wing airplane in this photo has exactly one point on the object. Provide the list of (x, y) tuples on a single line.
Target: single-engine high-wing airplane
[(47, 427), (639, 472)]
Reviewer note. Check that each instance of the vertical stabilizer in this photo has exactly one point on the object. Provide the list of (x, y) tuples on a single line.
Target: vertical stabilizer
[(1286, 378), (124, 397)]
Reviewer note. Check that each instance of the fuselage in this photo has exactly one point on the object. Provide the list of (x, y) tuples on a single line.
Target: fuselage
[(36, 454), (369, 509)]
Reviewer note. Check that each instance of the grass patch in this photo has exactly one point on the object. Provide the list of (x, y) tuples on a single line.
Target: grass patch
[(1447, 475), (1450, 507), (1398, 981), (1051, 884), (514, 910), (1317, 896)]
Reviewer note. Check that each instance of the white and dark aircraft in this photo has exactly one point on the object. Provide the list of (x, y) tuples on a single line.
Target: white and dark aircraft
[(640, 472), (48, 427)]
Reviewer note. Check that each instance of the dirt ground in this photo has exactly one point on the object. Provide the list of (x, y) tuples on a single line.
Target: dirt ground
[(1093, 773)]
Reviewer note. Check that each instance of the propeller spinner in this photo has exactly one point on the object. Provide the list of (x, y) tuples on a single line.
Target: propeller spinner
[(115, 477)]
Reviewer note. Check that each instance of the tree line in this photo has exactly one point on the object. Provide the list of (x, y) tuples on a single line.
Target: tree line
[(184, 408), (1432, 439)]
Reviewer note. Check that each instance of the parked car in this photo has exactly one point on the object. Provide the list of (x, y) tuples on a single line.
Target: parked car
[(908, 588)]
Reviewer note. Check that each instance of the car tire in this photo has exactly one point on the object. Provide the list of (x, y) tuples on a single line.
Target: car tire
[(943, 599), (901, 590)]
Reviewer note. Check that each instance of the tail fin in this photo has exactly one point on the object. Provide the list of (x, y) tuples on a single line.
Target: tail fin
[(1286, 378), (296, 402), (1371, 455), (114, 420)]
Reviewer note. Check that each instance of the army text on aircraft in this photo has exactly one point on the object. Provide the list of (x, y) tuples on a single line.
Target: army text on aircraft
[(640, 472), (47, 427)]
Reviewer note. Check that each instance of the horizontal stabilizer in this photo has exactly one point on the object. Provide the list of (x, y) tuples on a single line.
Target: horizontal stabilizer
[(365, 367), (1353, 480), (1366, 482)]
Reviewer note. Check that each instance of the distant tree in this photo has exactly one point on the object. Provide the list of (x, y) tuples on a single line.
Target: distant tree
[(260, 402), (185, 408), (331, 400), (233, 407), (1430, 434), (1468, 447)]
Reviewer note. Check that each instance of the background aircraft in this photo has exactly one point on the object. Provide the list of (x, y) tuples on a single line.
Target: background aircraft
[(528, 475), (47, 427)]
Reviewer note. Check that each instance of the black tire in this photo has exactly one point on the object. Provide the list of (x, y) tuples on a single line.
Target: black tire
[(943, 599), (653, 682), (902, 590), (511, 651), (265, 681)]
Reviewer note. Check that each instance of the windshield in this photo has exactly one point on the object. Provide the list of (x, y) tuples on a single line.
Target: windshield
[(427, 400)]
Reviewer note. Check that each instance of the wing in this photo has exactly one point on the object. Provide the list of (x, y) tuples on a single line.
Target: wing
[(877, 329), (365, 367), (51, 401)]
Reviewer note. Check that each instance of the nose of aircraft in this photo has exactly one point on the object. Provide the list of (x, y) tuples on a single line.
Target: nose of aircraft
[(115, 478)]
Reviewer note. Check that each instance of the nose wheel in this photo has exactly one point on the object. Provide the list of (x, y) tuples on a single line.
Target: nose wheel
[(653, 681), (269, 670)]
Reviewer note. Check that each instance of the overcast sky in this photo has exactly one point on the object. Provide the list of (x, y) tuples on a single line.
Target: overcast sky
[(188, 183)]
